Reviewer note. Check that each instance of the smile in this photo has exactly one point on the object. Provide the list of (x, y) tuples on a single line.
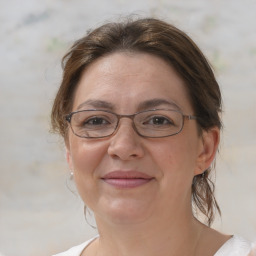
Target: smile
[(126, 179)]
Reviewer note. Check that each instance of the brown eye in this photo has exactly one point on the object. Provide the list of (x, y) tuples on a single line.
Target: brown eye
[(158, 121), (95, 121)]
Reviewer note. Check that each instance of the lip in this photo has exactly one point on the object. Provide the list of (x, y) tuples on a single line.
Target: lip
[(126, 179)]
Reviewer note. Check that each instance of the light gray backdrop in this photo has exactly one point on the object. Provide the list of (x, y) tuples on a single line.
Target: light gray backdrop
[(39, 215)]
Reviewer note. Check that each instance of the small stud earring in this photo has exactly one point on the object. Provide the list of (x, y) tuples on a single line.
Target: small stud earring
[(71, 175)]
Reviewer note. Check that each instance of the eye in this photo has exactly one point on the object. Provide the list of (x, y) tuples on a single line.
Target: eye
[(158, 121), (96, 121)]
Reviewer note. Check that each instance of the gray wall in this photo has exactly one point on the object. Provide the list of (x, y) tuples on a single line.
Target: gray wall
[(39, 214)]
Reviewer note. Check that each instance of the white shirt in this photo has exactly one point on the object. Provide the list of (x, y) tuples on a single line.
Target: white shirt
[(235, 246)]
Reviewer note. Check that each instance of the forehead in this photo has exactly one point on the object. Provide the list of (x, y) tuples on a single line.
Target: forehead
[(127, 79)]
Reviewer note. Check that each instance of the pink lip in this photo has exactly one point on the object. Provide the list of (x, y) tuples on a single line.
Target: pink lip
[(126, 179)]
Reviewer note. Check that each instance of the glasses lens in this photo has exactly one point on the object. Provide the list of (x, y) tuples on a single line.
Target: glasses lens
[(93, 123), (158, 123)]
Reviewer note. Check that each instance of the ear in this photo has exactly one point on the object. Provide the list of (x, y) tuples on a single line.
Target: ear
[(207, 150), (69, 158)]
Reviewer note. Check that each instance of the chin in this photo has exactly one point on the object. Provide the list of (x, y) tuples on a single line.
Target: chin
[(126, 211)]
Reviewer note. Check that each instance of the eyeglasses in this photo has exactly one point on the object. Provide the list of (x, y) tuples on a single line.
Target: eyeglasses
[(154, 123)]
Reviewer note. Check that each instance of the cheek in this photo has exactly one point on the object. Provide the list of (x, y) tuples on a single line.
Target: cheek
[(85, 155), (176, 158), (175, 171), (86, 158)]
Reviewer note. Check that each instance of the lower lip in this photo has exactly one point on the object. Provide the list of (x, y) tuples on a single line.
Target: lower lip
[(126, 183)]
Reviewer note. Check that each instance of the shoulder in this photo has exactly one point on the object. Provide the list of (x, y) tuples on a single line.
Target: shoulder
[(235, 246), (76, 250)]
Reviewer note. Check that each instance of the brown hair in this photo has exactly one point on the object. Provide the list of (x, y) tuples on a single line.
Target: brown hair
[(171, 44)]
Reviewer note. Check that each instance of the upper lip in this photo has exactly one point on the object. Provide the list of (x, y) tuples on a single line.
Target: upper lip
[(119, 174)]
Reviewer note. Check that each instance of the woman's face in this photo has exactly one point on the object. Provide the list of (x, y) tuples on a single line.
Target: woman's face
[(126, 177)]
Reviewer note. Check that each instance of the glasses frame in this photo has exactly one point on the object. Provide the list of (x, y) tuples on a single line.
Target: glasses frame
[(68, 118)]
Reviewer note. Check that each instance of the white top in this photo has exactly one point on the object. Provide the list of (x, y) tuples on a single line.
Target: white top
[(235, 246)]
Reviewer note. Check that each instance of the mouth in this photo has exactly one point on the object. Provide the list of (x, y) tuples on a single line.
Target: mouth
[(126, 179)]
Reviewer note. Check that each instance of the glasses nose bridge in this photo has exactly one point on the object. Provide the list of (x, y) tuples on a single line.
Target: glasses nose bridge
[(126, 116), (131, 117)]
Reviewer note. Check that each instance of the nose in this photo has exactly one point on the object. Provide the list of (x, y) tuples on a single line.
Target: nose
[(126, 144)]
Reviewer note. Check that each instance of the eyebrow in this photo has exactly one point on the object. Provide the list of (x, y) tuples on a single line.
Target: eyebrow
[(154, 103), (96, 104), (148, 104)]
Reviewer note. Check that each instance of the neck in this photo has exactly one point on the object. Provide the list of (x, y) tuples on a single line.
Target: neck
[(173, 236)]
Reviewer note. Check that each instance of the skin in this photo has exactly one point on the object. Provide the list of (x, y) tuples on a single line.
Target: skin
[(159, 212)]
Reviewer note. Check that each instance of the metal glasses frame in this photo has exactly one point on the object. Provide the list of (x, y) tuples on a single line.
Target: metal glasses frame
[(69, 117)]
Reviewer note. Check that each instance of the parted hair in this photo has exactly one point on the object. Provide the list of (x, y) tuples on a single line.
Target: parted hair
[(157, 37)]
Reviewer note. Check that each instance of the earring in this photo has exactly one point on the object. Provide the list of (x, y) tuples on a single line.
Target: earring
[(71, 175)]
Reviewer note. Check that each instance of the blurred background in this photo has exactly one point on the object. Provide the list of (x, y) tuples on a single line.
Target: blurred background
[(40, 211)]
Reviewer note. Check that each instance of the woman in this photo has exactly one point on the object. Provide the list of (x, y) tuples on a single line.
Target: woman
[(139, 109)]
